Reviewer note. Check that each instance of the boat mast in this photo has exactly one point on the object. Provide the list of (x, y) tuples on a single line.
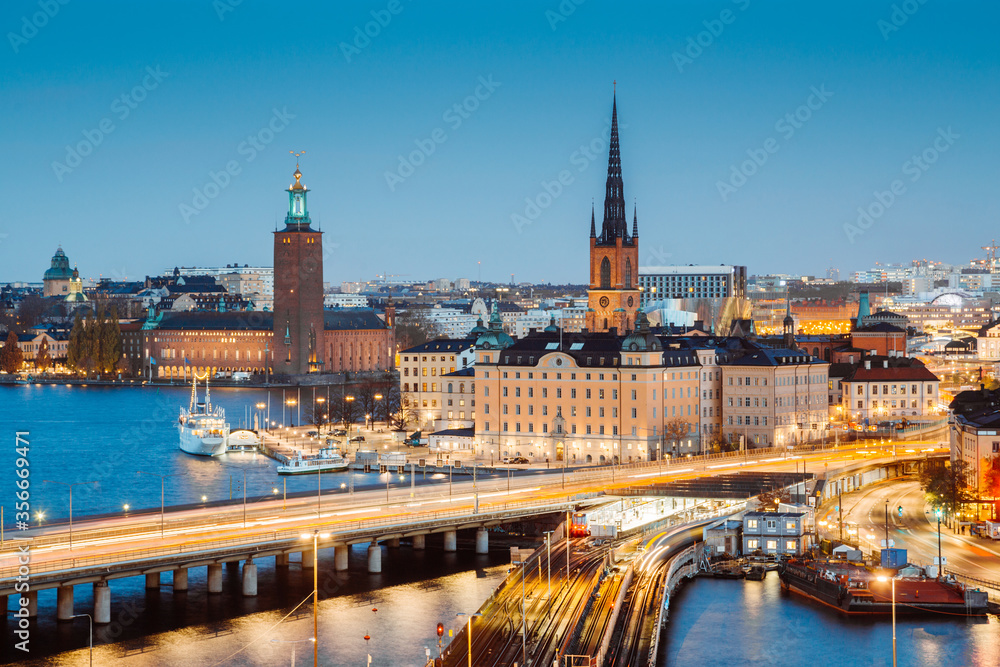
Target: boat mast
[(208, 397), (194, 393)]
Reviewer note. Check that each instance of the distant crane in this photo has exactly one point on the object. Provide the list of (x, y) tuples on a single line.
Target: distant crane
[(991, 253)]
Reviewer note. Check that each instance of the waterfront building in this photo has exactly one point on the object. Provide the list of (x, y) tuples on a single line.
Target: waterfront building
[(988, 341), (425, 371), (296, 338), (775, 533)]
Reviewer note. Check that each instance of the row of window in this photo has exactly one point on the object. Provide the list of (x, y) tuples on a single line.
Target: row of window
[(772, 545), (888, 389), (902, 404)]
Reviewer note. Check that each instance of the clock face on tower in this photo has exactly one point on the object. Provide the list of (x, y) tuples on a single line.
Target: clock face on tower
[(630, 301), (604, 302)]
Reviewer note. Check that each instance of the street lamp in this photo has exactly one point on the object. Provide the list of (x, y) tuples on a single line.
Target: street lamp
[(320, 401), (242, 470), (162, 477), (940, 560), (468, 632), (893, 580), (70, 504), (524, 628), (260, 414), (315, 538)]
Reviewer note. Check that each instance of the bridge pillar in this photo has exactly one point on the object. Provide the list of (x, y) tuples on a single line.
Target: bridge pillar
[(308, 558), (450, 540), (394, 542), (180, 580), (215, 578), (102, 602), (340, 554), (419, 541), (250, 578), (281, 560), (64, 603), (32, 604), (153, 581), (482, 541), (374, 558)]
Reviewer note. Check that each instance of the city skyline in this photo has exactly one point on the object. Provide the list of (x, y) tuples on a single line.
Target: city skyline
[(707, 94)]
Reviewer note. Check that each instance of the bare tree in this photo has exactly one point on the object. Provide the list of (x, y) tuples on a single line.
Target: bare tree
[(675, 430)]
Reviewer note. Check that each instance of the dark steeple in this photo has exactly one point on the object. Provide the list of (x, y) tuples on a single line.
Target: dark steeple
[(593, 228), (615, 223), (635, 222)]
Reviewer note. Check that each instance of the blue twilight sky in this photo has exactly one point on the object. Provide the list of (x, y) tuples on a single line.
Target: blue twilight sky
[(704, 88)]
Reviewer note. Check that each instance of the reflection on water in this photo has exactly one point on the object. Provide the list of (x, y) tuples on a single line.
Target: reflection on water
[(725, 623), (416, 591)]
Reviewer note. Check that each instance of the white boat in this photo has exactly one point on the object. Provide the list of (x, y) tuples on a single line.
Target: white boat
[(328, 460), (241, 440), (203, 431)]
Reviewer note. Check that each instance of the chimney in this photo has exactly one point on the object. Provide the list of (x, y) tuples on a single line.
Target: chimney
[(868, 364), (850, 358), (885, 363)]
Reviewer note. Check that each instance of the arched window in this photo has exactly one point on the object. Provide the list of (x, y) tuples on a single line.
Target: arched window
[(628, 273), (605, 274), (449, 388), (461, 388)]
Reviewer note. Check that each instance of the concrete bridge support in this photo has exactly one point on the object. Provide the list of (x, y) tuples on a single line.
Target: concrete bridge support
[(482, 541), (394, 543), (180, 580), (102, 603), (419, 541), (308, 558), (374, 558), (340, 556), (64, 603), (250, 578), (451, 540), (153, 581), (215, 578), (281, 560), (32, 605)]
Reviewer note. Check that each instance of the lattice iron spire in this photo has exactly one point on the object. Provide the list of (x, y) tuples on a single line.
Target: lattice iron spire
[(635, 221), (593, 225)]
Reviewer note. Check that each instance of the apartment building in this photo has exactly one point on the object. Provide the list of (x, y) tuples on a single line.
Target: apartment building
[(423, 371)]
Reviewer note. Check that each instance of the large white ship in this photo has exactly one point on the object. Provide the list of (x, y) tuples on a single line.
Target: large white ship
[(203, 431)]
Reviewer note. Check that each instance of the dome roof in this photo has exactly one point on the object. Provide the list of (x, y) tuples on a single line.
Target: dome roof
[(60, 267), (478, 330), (552, 328), (495, 337), (641, 340)]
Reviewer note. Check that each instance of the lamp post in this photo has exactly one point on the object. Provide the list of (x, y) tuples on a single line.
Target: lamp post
[(315, 538), (548, 550), (260, 414), (940, 560), (320, 401), (91, 624), (468, 632), (524, 627), (242, 470), (378, 397), (71, 504), (893, 580)]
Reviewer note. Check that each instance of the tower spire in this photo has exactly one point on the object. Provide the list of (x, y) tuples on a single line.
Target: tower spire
[(635, 221), (615, 225), (593, 226)]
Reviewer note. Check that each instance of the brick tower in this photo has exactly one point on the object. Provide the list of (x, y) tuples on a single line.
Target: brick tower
[(298, 288), (613, 297)]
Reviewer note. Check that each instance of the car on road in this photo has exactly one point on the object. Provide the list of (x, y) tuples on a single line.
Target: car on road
[(515, 460), (358, 438), (340, 432), (312, 434)]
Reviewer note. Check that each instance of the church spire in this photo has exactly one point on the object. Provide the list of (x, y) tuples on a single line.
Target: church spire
[(635, 221), (615, 224), (593, 227)]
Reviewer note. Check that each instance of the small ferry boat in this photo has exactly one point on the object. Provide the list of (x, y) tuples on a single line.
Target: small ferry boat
[(852, 588), (203, 431), (328, 460)]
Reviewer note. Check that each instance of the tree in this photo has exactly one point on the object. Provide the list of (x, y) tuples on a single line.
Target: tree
[(401, 415), (111, 344), (945, 486), (43, 360), (75, 344), (675, 430), (11, 357), (345, 410), (90, 344), (30, 311), (412, 328)]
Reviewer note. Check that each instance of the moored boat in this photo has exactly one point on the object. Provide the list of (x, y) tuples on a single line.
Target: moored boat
[(852, 588), (328, 459), (203, 431)]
